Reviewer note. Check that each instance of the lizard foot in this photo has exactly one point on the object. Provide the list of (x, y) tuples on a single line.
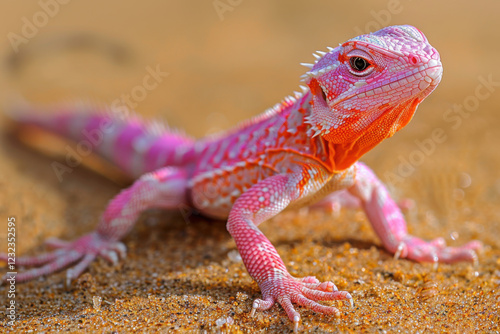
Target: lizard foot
[(82, 251), (302, 291), (436, 251)]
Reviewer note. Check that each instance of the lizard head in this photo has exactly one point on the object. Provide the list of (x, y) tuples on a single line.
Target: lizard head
[(368, 88)]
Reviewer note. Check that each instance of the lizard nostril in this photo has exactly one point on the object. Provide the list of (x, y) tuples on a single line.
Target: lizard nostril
[(414, 60)]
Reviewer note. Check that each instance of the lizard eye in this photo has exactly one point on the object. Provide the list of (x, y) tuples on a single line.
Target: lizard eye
[(358, 64)]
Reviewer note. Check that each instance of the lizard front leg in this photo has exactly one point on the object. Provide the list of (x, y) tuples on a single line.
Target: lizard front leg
[(259, 203), (390, 226), (164, 188)]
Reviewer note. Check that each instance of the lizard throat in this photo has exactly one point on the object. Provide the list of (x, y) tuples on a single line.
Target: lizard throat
[(338, 151)]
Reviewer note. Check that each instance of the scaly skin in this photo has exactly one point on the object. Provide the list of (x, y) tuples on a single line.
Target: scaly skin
[(301, 152)]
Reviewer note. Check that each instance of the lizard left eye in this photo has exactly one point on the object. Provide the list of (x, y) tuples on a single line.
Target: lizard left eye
[(358, 64)]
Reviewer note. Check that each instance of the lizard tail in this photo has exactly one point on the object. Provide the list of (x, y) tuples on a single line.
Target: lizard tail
[(132, 144)]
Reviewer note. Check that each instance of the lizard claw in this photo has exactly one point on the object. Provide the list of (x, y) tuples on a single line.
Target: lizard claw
[(114, 253), (296, 320), (81, 251), (399, 250), (262, 305), (305, 292)]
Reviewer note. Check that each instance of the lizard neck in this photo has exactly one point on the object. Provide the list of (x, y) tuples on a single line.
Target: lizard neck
[(340, 147), (337, 150)]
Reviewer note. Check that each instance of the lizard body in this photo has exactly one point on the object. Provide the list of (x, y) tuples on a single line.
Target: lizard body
[(300, 152)]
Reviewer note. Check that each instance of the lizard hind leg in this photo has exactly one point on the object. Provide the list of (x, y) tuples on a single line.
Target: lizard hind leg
[(165, 188)]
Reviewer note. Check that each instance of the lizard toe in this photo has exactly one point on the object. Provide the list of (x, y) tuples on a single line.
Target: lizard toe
[(56, 243), (293, 315), (322, 295), (322, 286), (436, 251), (288, 290), (114, 252), (56, 264), (439, 243), (314, 306), (262, 304), (36, 260), (78, 269), (308, 279), (81, 251)]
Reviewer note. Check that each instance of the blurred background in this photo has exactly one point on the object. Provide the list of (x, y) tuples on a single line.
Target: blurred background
[(218, 62)]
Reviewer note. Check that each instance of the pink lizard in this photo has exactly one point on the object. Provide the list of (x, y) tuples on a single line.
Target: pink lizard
[(301, 152)]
